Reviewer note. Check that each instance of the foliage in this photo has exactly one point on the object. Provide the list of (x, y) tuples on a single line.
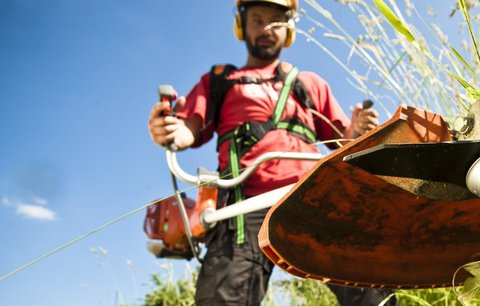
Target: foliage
[(392, 61), (473, 92), (470, 294), (309, 292), (428, 297), (306, 292), (170, 293)]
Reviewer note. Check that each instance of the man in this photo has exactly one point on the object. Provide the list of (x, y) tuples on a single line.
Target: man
[(235, 271)]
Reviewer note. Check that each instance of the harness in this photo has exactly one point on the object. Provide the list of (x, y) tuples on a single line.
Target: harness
[(245, 136)]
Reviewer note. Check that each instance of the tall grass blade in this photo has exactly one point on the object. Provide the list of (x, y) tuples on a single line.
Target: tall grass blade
[(461, 59), (394, 20), (473, 93), (466, 15)]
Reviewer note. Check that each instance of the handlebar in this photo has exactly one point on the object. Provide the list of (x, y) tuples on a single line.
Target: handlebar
[(214, 179)]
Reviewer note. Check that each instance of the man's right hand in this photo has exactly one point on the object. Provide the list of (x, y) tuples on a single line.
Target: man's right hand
[(165, 130)]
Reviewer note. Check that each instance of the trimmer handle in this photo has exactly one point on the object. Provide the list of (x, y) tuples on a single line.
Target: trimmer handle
[(168, 94), (367, 104)]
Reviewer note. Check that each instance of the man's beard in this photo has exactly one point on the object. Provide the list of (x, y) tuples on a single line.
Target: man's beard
[(261, 52)]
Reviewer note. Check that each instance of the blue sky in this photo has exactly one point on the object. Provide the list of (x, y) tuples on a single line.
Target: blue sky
[(78, 79)]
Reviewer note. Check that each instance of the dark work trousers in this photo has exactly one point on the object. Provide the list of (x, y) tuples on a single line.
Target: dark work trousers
[(350, 296), (238, 274), (233, 274)]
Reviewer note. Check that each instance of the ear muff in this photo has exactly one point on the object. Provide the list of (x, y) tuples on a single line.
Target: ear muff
[(238, 30), (290, 33), (238, 27)]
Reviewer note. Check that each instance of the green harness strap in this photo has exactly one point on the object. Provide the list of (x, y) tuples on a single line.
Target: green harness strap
[(235, 149), (234, 163), (283, 97)]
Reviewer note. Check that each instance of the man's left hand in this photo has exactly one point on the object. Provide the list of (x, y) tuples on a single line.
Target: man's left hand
[(364, 120)]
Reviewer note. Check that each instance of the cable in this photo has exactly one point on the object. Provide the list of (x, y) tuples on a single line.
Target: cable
[(90, 233), (84, 236)]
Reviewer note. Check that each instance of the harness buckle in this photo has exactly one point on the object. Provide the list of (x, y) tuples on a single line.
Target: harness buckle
[(259, 129), (249, 80), (254, 131)]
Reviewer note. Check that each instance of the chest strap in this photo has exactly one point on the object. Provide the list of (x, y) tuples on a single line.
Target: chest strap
[(250, 133)]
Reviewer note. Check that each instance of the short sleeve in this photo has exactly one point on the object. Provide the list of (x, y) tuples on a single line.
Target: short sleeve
[(196, 105)]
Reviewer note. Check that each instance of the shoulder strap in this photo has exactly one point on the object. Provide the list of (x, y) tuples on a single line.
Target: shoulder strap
[(284, 93), (219, 85), (301, 93), (298, 89)]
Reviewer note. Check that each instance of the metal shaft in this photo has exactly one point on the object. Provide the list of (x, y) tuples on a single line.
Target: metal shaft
[(259, 202)]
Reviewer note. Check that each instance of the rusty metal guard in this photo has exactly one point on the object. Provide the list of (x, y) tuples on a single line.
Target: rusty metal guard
[(343, 225)]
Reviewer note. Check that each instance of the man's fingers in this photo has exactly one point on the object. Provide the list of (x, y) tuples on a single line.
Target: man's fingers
[(162, 129), (162, 121), (158, 109), (368, 112), (368, 120), (161, 138), (156, 121), (365, 119), (367, 123)]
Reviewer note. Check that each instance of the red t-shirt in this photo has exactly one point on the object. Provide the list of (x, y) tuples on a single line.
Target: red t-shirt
[(256, 103)]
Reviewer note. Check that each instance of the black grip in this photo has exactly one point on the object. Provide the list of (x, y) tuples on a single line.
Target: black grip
[(367, 104)]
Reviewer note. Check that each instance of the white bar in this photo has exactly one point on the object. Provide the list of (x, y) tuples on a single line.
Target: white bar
[(229, 183), (265, 200), (177, 171), (473, 178), (263, 158)]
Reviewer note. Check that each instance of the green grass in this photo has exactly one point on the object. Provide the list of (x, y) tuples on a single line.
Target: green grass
[(169, 292), (296, 291)]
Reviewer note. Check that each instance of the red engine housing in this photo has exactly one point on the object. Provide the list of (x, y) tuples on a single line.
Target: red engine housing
[(163, 221)]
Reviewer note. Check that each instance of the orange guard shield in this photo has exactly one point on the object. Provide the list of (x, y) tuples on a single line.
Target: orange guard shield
[(343, 225)]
